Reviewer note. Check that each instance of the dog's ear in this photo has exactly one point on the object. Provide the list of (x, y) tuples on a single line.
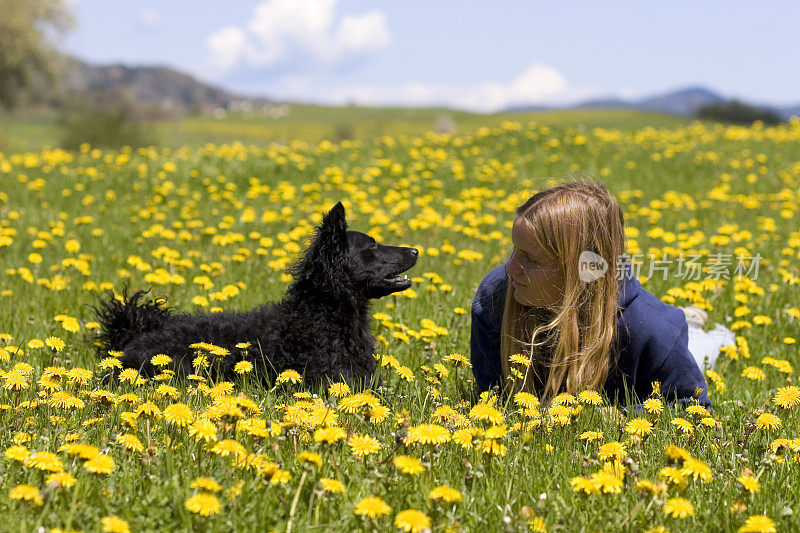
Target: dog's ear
[(321, 259), (332, 235)]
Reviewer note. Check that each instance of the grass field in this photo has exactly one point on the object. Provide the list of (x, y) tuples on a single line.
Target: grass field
[(215, 226), (34, 130)]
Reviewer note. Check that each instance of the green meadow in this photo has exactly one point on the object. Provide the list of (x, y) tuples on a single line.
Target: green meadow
[(211, 219)]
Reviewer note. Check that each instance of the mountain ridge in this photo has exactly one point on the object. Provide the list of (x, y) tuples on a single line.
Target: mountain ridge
[(174, 91)]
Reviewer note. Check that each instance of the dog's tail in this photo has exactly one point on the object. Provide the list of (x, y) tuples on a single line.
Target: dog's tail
[(120, 321)]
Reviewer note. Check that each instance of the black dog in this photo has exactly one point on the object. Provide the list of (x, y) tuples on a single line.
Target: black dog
[(320, 329)]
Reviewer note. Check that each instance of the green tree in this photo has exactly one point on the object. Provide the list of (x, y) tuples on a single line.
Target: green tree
[(28, 57), (738, 112)]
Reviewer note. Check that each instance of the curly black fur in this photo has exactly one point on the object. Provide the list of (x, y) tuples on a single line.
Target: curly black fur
[(320, 328)]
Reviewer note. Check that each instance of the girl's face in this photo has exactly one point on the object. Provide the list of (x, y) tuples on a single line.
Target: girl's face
[(537, 280)]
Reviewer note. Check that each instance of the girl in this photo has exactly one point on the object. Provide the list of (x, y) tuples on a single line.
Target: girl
[(566, 313)]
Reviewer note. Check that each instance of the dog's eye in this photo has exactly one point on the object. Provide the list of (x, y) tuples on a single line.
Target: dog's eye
[(373, 245)]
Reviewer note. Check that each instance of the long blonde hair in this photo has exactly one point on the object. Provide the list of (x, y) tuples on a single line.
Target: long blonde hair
[(571, 342)]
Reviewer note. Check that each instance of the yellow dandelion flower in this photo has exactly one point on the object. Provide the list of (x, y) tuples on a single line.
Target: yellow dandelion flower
[(289, 376), (405, 373), (280, 477), (17, 453), (519, 359), (114, 524), (590, 397), (234, 491), (200, 362), (584, 485), (753, 373), (492, 447), (526, 400), (55, 343), (47, 461), (100, 464), (84, 451), (678, 508), (428, 434), (768, 421), (537, 525), (26, 493), (148, 410), (203, 429), (161, 360), (639, 427), (445, 494), (129, 374), (378, 414), (698, 410), (61, 480), (15, 380), (339, 390), (131, 442), (372, 507), (309, 458), (408, 465), (206, 483), (653, 406), (467, 437), (228, 447), (363, 445), (412, 521), (612, 449), (65, 400), (332, 486), (647, 486), (109, 363), (696, 469), (178, 414), (204, 504), (606, 482), (787, 397), (683, 424), (673, 475), (457, 360), (758, 524), (749, 483), (79, 375), (243, 367), (486, 413), (329, 435), (591, 436), (676, 452)]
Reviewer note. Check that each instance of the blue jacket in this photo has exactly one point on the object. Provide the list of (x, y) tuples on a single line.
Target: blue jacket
[(651, 344)]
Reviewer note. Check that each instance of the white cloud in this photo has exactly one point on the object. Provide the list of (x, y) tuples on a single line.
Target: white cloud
[(538, 84), (150, 18), (362, 33), (284, 31), (226, 46)]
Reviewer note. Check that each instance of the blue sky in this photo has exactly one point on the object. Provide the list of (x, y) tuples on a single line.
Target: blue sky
[(476, 55)]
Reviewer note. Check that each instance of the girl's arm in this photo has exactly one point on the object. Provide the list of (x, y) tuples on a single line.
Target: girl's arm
[(679, 374), (487, 319)]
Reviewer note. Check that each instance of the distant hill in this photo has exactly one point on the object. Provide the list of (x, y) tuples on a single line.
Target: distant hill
[(685, 102), (162, 87), (174, 92)]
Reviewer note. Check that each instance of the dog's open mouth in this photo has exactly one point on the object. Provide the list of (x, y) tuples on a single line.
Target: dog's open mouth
[(397, 282)]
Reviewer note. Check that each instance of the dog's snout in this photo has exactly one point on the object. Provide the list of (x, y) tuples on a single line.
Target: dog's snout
[(414, 252)]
